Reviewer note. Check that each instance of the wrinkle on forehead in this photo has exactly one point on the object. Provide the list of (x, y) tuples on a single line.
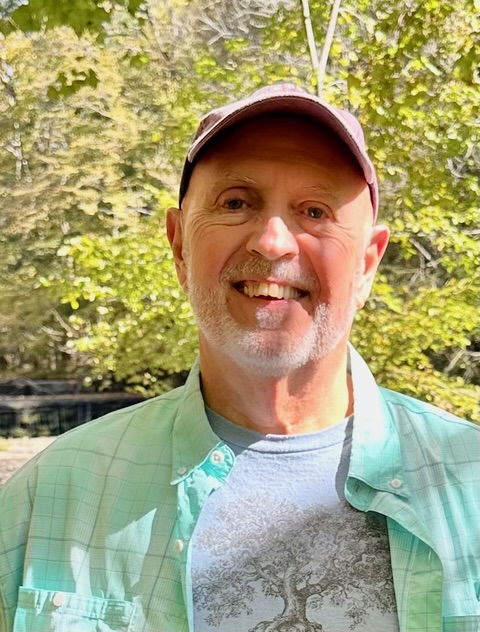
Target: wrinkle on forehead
[(237, 176)]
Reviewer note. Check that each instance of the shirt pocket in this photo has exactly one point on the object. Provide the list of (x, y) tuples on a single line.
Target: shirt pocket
[(58, 611), (462, 624)]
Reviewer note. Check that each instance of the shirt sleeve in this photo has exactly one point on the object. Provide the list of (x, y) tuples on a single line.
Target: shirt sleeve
[(16, 502)]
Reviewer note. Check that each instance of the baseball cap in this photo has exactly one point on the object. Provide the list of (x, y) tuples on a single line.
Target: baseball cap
[(284, 98)]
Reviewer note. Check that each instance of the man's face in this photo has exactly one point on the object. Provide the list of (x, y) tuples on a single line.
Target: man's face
[(272, 244)]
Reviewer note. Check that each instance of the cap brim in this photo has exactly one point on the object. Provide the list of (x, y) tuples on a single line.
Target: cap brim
[(293, 104)]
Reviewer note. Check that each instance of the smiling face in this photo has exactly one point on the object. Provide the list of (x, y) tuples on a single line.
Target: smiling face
[(274, 244)]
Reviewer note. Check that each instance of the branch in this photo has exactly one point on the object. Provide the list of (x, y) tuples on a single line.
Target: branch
[(433, 262), (326, 47), (320, 66), (312, 46), (61, 322), (53, 333), (454, 361), (471, 356), (263, 574)]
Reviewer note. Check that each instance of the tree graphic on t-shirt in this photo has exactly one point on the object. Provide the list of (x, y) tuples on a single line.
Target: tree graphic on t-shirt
[(306, 557)]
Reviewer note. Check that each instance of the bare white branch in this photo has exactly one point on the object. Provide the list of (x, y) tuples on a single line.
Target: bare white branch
[(312, 46), (328, 43)]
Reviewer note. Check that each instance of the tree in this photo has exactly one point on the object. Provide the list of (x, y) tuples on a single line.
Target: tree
[(82, 161), (302, 557)]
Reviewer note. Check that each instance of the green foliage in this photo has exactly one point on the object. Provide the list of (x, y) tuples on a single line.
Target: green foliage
[(407, 339), (93, 131), (69, 84), (81, 15), (129, 318)]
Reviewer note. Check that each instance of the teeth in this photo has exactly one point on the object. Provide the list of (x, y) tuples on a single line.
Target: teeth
[(275, 291), (264, 289), (270, 289)]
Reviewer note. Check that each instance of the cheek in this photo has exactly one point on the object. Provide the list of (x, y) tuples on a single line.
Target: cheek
[(335, 260), (211, 248), (203, 262)]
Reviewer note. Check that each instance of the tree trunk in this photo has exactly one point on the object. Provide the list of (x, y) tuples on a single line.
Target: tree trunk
[(295, 604)]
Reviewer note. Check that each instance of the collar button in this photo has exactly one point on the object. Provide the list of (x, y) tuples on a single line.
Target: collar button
[(217, 457)]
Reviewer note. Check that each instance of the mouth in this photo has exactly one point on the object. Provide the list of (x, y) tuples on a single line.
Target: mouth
[(267, 290)]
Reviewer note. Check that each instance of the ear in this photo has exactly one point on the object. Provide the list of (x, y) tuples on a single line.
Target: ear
[(175, 237), (374, 252)]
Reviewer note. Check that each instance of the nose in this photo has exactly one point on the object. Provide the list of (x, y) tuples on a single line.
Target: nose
[(273, 240)]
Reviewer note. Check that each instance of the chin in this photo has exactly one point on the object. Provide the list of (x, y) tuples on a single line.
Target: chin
[(273, 355)]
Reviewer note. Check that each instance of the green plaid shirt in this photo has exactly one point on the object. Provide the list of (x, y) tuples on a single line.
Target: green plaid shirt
[(95, 531)]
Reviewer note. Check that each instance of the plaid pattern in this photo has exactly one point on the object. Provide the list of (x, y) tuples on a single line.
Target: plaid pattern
[(94, 531)]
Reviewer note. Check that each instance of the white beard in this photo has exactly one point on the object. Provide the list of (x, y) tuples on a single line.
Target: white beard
[(265, 350)]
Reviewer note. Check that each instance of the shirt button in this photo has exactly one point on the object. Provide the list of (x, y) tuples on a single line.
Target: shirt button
[(396, 483), (59, 599), (181, 471), (178, 546), (217, 457)]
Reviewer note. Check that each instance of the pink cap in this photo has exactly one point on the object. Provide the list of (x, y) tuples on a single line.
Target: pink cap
[(292, 99)]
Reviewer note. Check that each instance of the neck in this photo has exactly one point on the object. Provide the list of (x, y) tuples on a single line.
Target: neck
[(313, 397)]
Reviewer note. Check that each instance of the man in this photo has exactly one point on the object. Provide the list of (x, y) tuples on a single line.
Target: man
[(280, 489)]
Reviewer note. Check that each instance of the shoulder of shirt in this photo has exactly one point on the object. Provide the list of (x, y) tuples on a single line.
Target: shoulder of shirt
[(405, 407), (154, 412), (153, 418)]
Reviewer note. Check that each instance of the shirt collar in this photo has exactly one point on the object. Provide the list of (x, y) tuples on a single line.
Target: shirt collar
[(193, 438), (376, 456)]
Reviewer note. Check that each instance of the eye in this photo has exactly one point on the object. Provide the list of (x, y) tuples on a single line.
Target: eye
[(315, 212), (234, 204)]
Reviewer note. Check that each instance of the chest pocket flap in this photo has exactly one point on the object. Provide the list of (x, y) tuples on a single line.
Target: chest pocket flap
[(58, 611)]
